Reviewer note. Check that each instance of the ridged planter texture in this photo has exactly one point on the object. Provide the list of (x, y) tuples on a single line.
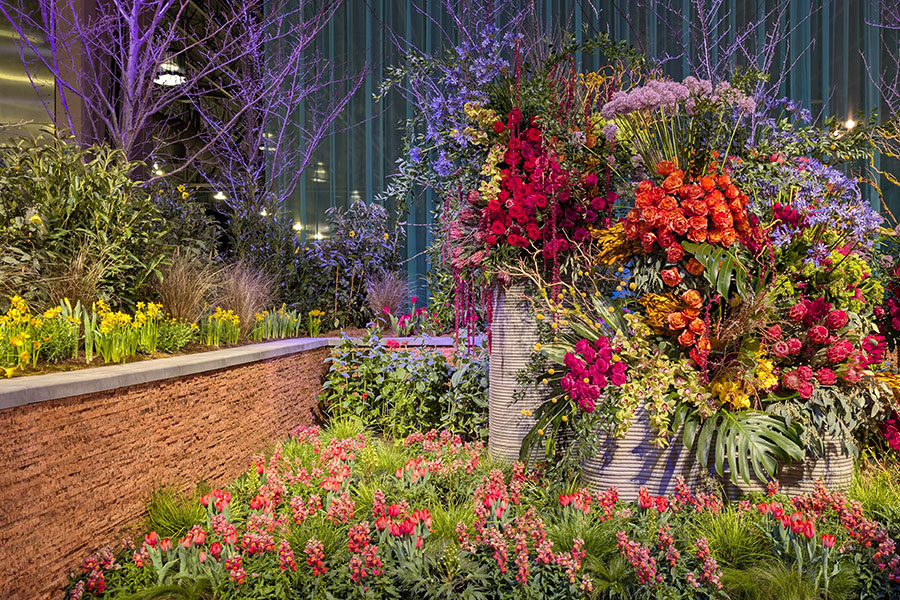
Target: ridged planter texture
[(835, 469), (632, 462), (513, 336)]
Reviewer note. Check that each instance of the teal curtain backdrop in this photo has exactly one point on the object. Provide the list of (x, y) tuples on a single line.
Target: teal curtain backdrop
[(831, 52)]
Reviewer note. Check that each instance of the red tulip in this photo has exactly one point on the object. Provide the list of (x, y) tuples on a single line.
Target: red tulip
[(381, 523), (199, 538), (151, 539), (186, 542), (809, 529), (204, 499), (215, 549), (165, 544), (828, 540), (202, 556), (393, 510)]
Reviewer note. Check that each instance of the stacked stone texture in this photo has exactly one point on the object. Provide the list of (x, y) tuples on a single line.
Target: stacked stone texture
[(77, 472)]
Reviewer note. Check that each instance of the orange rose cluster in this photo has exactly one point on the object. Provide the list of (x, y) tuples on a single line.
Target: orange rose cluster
[(710, 210), (691, 329)]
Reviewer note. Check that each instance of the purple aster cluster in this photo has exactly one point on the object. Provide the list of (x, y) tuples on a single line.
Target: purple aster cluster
[(820, 195), (463, 78), (669, 95)]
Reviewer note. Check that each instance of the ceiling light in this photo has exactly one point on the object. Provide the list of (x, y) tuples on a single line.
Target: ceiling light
[(169, 74)]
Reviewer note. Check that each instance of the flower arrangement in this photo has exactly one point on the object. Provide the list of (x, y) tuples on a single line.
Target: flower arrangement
[(737, 294)]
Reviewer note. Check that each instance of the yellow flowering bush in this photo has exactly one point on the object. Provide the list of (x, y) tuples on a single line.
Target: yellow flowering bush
[(26, 337)]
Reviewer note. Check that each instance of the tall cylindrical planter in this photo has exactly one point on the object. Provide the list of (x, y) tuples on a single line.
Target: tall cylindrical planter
[(632, 462), (835, 469), (514, 333)]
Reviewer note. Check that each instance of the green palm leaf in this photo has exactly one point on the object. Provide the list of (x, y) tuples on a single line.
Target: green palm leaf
[(747, 442)]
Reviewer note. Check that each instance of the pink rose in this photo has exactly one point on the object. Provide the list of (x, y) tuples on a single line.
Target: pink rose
[(671, 277)]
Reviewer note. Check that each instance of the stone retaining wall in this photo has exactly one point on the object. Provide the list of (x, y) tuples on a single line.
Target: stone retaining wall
[(77, 471)]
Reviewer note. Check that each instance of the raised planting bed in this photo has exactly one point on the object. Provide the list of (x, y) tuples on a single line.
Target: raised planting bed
[(83, 450)]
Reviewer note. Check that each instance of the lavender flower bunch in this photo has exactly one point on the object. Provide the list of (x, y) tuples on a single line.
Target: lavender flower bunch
[(666, 120), (667, 96)]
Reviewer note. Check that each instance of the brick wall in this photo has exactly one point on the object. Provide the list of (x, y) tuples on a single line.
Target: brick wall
[(76, 472)]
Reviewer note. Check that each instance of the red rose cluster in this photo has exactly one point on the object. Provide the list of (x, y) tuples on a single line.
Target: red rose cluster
[(711, 210), (537, 203)]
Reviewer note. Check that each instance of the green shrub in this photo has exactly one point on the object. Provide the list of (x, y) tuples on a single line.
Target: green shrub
[(334, 272), (396, 390), (74, 224), (175, 335)]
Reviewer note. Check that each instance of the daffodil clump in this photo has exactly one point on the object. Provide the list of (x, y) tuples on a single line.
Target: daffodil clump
[(314, 322), (26, 337), (223, 326), (118, 335), (276, 324)]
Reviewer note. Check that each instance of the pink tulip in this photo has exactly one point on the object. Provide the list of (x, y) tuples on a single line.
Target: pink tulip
[(202, 556)]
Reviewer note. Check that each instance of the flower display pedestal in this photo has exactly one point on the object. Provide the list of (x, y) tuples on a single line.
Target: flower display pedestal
[(632, 462), (835, 469), (514, 333)]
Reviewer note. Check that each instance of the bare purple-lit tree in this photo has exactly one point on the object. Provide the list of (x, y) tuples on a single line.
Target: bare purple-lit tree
[(162, 78), (264, 120), (713, 38)]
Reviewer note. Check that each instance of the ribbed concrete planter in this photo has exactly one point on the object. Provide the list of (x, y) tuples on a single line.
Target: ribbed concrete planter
[(513, 336), (835, 469), (632, 462)]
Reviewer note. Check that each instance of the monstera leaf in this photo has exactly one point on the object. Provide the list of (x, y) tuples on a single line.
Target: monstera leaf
[(721, 266), (748, 442)]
